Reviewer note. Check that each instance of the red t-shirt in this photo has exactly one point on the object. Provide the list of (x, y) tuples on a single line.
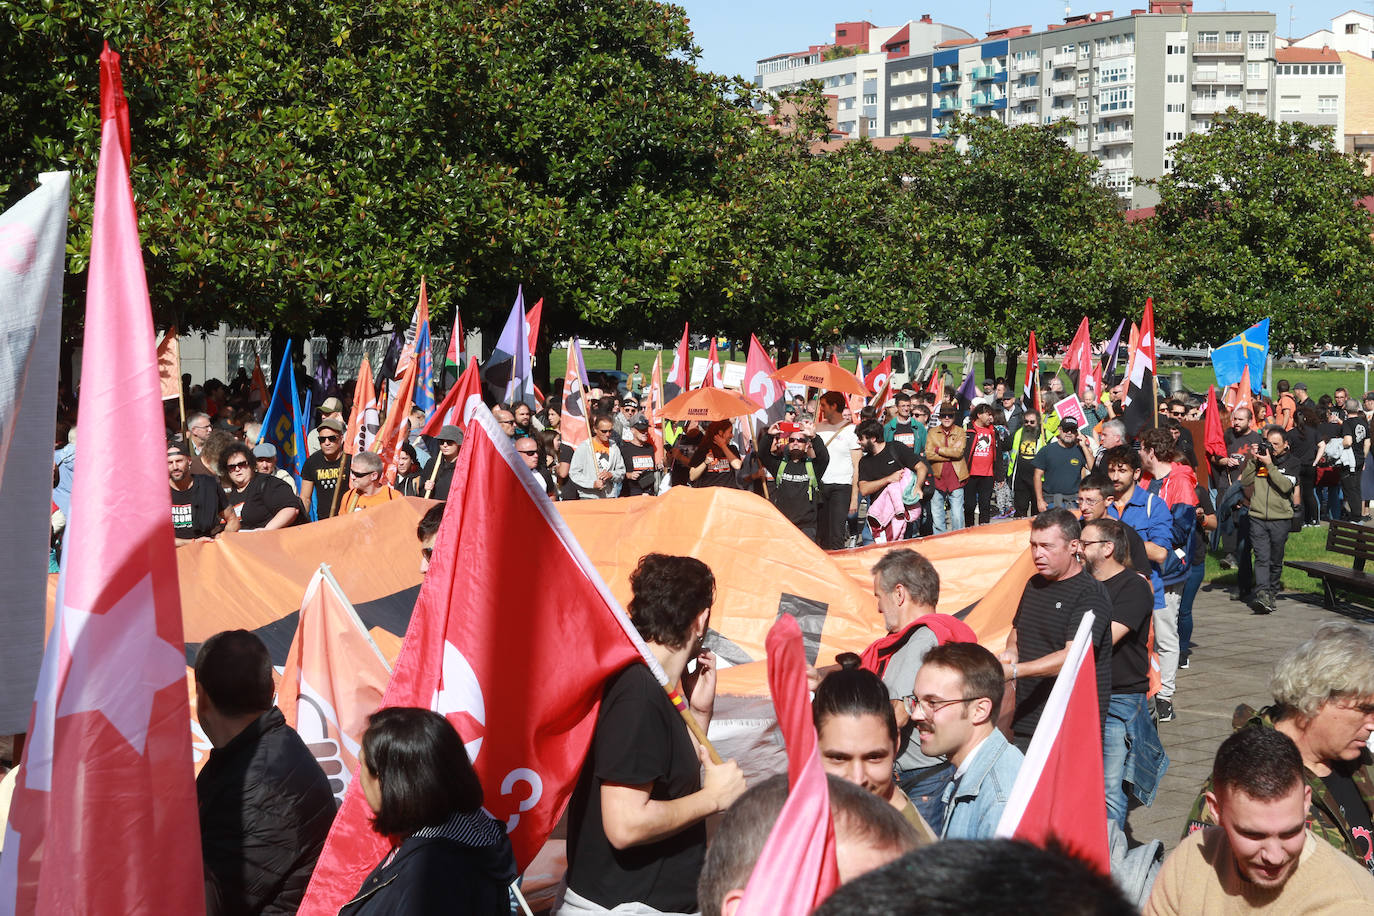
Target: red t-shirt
[(982, 451)]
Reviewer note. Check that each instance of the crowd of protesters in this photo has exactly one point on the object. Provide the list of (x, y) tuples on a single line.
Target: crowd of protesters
[(920, 750)]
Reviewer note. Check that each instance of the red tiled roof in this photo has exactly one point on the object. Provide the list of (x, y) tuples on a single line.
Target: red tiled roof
[(955, 42), (1321, 55)]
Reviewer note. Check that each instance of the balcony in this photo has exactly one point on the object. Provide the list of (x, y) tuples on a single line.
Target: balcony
[(1026, 92), (987, 72), (1116, 163), (1218, 47), (1064, 60), (1056, 114), (948, 105), (1026, 64), (1216, 105), (987, 100), (1222, 77), (1022, 118), (1110, 137), (1063, 87)]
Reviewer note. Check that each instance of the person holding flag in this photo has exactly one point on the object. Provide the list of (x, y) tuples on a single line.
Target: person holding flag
[(636, 822)]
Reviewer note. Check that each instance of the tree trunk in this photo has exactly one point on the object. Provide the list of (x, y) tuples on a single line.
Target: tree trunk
[(1013, 356), (619, 354), (542, 367), (990, 364)]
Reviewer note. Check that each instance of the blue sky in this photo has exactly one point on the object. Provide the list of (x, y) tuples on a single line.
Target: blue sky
[(734, 35)]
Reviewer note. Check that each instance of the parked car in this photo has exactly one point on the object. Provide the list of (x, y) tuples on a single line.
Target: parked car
[(1339, 359)]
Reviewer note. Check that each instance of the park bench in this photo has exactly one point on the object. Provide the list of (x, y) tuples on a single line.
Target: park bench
[(1346, 539)]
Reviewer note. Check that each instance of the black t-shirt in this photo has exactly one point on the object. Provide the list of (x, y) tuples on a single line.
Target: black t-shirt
[(260, 501), (1353, 809), (1357, 428), (565, 456), (1204, 501), (1063, 467), (894, 457), (196, 510), (638, 458), (1132, 606), (794, 491), (1045, 622), (719, 472), (640, 740), (324, 474), (904, 434), (1303, 441)]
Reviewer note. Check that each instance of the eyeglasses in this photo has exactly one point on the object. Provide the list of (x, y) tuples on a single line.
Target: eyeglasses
[(238, 466), (930, 706), (329, 438), (201, 429), (1085, 543), (528, 451), (353, 472), (506, 422)]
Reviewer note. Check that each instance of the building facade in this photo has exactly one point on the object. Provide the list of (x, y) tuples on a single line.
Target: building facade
[(1310, 87)]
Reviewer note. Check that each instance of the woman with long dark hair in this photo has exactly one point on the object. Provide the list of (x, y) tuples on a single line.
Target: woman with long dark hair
[(448, 855)]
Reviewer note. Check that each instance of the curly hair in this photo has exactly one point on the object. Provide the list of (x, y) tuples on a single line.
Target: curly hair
[(1336, 661), (667, 595)]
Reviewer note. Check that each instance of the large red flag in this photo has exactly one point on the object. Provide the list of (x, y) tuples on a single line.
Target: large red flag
[(169, 364), (1059, 794), (879, 381), (681, 372), (532, 319), (490, 650), (796, 870), (712, 377), (1078, 359), (333, 679), (936, 385), (258, 385), (450, 409), (1214, 436), (103, 819), (760, 385), (1140, 410)]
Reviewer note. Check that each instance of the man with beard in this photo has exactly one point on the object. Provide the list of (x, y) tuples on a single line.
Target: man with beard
[(323, 470), (789, 453), (199, 507)]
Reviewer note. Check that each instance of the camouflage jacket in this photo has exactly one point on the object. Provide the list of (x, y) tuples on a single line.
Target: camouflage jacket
[(1324, 817)]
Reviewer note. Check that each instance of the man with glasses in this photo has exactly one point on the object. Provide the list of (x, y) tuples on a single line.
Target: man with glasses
[(954, 705), (789, 452), (1052, 604), (438, 474), (641, 463), (623, 418), (367, 484), (1129, 731), (597, 466), (198, 428), (504, 419), (323, 470), (1028, 439)]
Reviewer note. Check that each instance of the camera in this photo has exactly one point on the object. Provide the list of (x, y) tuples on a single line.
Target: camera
[(1262, 448)]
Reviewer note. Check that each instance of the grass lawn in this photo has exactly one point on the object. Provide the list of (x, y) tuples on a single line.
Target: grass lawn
[(1318, 383)]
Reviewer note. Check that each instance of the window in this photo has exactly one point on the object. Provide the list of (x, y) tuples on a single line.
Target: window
[(1289, 104), (1233, 38), (1254, 70), (1208, 38), (1171, 136), (1351, 28), (1084, 78), (872, 123), (1176, 107), (1121, 99), (1082, 135), (1116, 74), (1082, 107), (1083, 48), (1326, 104), (1168, 165), (871, 99), (1173, 77)]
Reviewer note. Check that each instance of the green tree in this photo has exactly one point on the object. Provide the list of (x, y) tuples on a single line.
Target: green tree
[(1263, 219)]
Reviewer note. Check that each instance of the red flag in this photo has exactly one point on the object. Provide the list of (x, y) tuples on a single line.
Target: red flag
[(450, 410), (1059, 793), (1078, 359), (712, 377), (258, 385), (1030, 391), (936, 385), (796, 870), (653, 409), (574, 426), (1140, 410), (532, 318), (363, 421), (879, 381), (760, 385), (681, 372), (457, 349), (491, 652), (1214, 437), (333, 679), (103, 819), (169, 365)]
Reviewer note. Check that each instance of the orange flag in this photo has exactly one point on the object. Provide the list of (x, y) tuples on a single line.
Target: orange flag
[(169, 365), (333, 680), (362, 422), (259, 383)]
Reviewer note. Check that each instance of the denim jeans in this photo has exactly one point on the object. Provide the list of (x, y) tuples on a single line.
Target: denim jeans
[(947, 510), (925, 788), (1191, 585), (1120, 711)]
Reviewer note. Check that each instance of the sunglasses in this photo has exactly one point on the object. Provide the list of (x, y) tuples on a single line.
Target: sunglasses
[(800, 439), (329, 438), (527, 451), (356, 473), (238, 466)]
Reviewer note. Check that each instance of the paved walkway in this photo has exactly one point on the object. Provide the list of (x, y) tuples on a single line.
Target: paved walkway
[(1234, 653)]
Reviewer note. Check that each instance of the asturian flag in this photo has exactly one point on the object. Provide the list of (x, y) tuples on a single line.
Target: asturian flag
[(103, 818), (1140, 408), (484, 649), (1247, 350)]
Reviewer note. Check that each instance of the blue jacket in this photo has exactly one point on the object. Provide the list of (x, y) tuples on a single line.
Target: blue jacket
[(1150, 517), (974, 801)]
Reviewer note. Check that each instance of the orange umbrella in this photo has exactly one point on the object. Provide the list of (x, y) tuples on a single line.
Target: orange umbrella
[(709, 404), (818, 374)]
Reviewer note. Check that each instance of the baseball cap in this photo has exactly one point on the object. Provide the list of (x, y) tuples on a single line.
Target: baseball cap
[(1302, 385), (1069, 423), (450, 433), (177, 448), (331, 405), (331, 423), (1369, 395), (640, 422), (264, 450)]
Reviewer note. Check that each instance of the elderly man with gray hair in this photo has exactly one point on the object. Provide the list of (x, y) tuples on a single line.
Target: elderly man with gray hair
[(1324, 700), (367, 484)]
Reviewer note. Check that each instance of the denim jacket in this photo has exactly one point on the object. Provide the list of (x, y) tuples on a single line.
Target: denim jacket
[(974, 801)]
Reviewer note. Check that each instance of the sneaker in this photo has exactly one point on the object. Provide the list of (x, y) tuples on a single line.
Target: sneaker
[(1164, 709), (1262, 603), (1183, 663), (1227, 562)]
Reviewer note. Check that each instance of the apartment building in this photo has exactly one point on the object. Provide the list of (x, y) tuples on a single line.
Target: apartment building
[(1351, 36), (1309, 84), (1127, 88)]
